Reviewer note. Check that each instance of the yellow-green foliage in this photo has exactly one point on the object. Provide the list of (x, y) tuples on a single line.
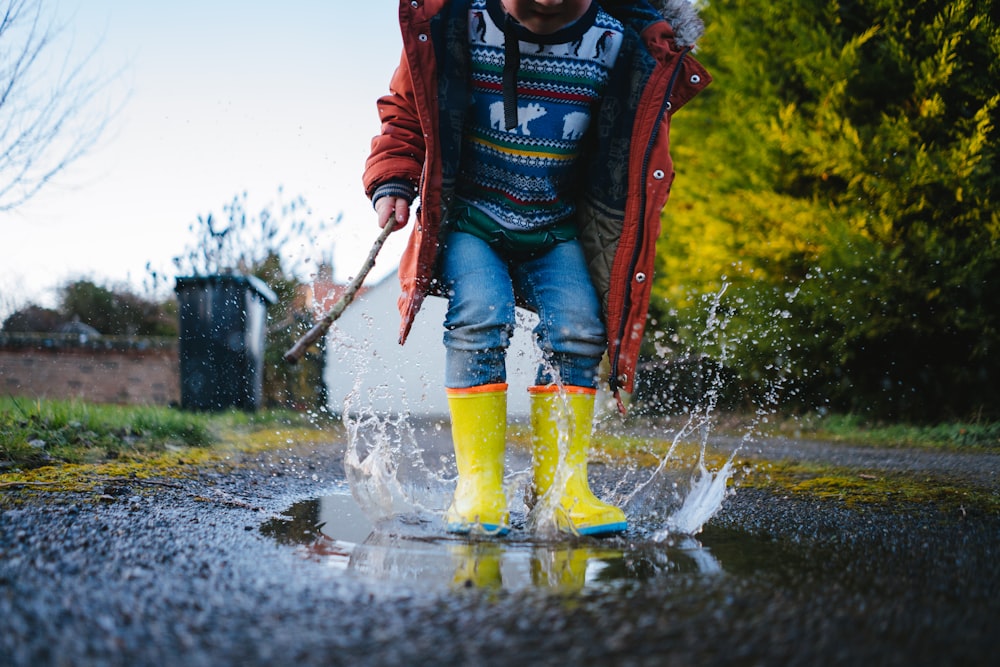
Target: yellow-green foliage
[(839, 178)]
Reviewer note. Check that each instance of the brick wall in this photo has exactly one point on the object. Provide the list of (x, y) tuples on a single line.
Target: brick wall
[(100, 370)]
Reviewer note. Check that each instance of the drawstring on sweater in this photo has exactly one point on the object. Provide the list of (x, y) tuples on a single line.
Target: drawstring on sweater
[(511, 65)]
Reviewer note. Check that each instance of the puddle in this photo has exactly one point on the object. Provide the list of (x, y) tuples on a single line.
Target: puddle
[(407, 555), (385, 524)]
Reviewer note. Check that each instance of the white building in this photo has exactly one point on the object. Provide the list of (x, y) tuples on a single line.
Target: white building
[(367, 368)]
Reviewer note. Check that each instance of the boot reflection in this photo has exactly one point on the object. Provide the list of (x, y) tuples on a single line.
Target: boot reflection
[(567, 568), (477, 564)]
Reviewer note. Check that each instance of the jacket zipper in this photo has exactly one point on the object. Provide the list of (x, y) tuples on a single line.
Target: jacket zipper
[(626, 301)]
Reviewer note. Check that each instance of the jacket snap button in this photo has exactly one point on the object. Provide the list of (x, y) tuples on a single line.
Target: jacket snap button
[(640, 277), (695, 78), (422, 38), (414, 4), (623, 378), (658, 174)]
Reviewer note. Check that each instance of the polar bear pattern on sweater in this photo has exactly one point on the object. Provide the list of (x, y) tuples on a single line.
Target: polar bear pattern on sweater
[(575, 124), (525, 114)]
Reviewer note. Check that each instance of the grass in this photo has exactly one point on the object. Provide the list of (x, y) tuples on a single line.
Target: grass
[(36, 433), (855, 429), (72, 445)]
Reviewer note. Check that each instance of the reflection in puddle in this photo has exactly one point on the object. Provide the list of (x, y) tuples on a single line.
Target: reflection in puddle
[(419, 555), (400, 464)]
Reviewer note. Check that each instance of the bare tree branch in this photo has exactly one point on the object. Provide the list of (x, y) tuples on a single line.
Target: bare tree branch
[(48, 118), (240, 241)]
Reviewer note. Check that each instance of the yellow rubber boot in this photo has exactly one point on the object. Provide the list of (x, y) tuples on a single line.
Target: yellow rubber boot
[(571, 409), (479, 433)]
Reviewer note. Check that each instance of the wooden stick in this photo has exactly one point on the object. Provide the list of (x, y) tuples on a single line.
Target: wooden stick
[(319, 330)]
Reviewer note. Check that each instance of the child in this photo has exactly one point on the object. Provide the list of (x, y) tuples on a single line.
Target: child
[(536, 134)]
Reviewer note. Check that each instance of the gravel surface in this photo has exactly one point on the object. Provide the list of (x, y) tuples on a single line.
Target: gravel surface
[(183, 574)]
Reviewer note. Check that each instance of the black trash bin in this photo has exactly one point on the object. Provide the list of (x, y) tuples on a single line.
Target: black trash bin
[(223, 320)]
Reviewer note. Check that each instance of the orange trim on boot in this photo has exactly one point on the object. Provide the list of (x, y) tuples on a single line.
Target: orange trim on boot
[(557, 389), (480, 389)]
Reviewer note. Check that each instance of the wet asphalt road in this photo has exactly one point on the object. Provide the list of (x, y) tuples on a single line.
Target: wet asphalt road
[(186, 575)]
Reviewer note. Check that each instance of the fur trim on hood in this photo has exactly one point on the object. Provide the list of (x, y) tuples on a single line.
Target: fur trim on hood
[(682, 15)]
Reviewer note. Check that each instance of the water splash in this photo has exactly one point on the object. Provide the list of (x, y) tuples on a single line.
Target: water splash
[(702, 502), (384, 464), (392, 475), (684, 506), (543, 515)]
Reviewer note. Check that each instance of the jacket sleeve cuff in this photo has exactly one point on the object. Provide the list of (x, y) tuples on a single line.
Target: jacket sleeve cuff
[(395, 188)]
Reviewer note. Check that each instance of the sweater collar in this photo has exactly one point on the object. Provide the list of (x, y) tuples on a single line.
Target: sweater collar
[(565, 35), (514, 33)]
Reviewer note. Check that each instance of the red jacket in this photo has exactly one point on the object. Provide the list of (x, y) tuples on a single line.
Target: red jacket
[(628, 175)]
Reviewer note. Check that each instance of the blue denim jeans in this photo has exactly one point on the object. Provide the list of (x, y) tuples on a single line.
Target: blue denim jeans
[(481, 285)]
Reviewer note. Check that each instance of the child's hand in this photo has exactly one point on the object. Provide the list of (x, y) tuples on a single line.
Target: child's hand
[(392, 207)]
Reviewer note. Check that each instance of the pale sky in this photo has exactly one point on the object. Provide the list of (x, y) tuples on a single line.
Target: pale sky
[(219, 97)]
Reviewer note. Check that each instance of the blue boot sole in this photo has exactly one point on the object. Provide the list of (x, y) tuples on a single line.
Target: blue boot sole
[(604, 529), (484, 529)]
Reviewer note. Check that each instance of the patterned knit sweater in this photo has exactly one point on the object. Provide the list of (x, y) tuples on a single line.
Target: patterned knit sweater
[(517, 172)]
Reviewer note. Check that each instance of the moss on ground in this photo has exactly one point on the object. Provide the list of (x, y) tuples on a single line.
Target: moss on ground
[(825, 482), (856, 488), (166, 467), (99, 447)]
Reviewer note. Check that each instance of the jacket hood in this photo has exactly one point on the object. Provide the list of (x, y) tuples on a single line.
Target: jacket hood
[(682, 15)]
